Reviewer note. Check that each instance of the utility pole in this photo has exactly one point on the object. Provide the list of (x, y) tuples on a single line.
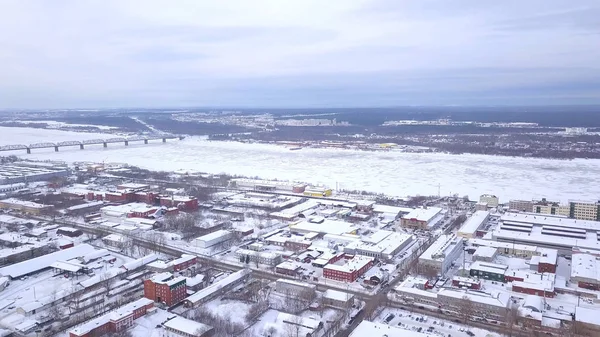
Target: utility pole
[(439, 187)]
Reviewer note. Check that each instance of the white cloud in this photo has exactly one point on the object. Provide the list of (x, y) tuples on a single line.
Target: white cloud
[(147, 53)]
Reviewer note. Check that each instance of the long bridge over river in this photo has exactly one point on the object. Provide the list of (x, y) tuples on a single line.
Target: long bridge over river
[(83, 143)]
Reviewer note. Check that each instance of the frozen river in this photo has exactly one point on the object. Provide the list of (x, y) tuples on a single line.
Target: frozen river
[(391, 173)]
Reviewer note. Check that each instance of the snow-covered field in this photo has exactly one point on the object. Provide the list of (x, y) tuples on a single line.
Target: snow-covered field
[(393, 173)]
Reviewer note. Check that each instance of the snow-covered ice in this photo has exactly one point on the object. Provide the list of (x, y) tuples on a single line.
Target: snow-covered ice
[(393, 173)]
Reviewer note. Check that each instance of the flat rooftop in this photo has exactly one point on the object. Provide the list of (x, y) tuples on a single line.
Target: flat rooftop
[(474, 222), (441, 247), (423, 214)]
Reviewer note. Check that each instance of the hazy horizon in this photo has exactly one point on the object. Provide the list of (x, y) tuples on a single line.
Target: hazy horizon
[(298, 54)]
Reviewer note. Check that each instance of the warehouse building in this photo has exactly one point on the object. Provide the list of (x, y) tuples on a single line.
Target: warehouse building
[(212, 239), (488, 271), (114, 321), (337, 299), (553, 232), (217, 288), (268, 185), (440, 255), (585, 271), (250, 256), (290, 287), (485, 254), (29, 172), (380, 245), (473, 224), (494, 306), (349, 271), (25, 206), (423, 218)]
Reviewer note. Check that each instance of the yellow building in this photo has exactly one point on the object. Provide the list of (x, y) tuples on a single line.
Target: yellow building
[(584, 210), (25, 206), (549, 207), (318, 192)]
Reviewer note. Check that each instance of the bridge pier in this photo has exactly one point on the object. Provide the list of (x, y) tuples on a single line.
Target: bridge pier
[(145, 141), (56, 149), (164, 140), (126, 143), (81, 146), (104, 144), (28, 151)]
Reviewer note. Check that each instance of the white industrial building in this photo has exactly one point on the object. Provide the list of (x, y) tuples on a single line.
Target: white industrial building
[(267, 258), (440, 255), (211, 239), (293, 287), (473, 224), (28, 172), (381, 244), (268, 185)]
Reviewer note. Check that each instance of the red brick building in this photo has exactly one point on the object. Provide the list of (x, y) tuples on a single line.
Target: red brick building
[(115, 321), (184, 262), (181, 202), (288, 268), (543, 289), (350, 271), (466, 282), (165, 288)]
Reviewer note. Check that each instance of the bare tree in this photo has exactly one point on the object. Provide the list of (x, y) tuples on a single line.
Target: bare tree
[(294, 326), (511, 319), (466, 309)]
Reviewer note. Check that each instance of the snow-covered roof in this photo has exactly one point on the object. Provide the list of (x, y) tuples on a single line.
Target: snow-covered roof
[(85, 205), (585, 266), (423, 214), (95, 255), (187, 326), (499, 300), (542, 220), (497, 244), (337, 295), (484, 251), (44, 261), (24, 203), (68, 266), (474, 223), (115, 238), (395, 210), (489, 267), (108, 274), (336, 227), (356, 263), (140, 262), (213, 288), (194, 281), (214, 235), (113, 315), (587, 315), (442, 247)]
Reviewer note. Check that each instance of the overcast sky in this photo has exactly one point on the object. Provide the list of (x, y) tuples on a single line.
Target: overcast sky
[(305, 53)]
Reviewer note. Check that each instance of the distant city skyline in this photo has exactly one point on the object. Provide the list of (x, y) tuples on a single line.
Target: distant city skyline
[(298, 54)]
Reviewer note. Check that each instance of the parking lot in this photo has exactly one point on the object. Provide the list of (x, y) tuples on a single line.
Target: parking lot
[(429, 325)]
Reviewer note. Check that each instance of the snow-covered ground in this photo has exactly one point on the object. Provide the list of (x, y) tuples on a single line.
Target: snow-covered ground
[(407, 320), (393, 173)]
